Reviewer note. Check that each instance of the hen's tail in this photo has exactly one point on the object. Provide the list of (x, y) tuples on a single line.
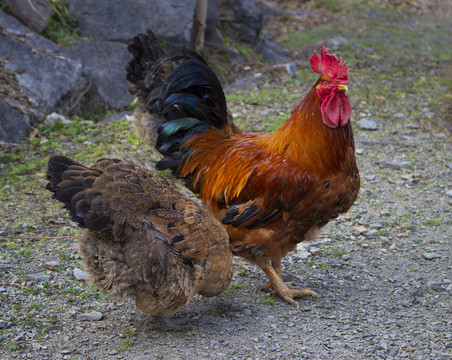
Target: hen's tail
[(189, 101), (71, 184)]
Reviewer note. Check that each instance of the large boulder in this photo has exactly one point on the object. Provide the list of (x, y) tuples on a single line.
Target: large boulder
[(13, 125), (121, 20), (33, 13), (242, 20), (104, 63), (41, 77)]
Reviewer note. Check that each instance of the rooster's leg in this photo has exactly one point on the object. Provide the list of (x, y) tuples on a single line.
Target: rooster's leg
[(281, 288), (277, 267)]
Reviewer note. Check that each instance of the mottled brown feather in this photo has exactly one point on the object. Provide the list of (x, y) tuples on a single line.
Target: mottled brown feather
[(145, 239)]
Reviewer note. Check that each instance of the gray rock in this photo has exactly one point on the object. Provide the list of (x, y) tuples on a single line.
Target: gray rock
[(394, 164), (213, 38), (41, 76), (449, 192), (303, 255), (104, 64), (121, 20), (38, 277), (13, 125), (431, 256), (34, 14), (271, 50), (36, 346), (336, 42), (80, 274), (91, 316), (51, 264), (367, 124), (118, 116), (242, 19), (52, 118)]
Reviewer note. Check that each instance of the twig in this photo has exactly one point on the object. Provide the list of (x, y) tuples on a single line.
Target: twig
[(79, 98)]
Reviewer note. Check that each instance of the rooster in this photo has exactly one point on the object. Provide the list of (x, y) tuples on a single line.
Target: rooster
[(144, 239), (271, 191)]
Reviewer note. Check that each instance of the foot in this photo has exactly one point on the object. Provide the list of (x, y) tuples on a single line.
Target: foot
[(286, 291)]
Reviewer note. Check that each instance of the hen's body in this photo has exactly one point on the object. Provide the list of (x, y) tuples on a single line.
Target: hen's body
[(144, 239), (271, 191)]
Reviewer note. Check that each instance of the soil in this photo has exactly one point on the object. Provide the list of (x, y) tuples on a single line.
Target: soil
[(382, 271)]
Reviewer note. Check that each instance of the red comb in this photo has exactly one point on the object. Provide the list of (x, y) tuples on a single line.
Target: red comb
[(329, 64)]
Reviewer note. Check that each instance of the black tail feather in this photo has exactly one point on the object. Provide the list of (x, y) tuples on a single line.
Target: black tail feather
[(181, 89)]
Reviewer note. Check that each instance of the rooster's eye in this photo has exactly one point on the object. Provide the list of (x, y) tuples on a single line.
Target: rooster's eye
[(325, 82)]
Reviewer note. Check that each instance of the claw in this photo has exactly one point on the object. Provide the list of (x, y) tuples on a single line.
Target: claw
[(287, 291)]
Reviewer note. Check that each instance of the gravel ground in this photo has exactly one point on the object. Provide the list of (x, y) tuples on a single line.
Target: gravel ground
[(382, 272)]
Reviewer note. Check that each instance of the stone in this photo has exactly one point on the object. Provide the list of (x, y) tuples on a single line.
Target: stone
[(42, 78), (38, 277), (51, 264), (449, 193), (91, 316), (36, 346), (120, 20), (33, 13), (394, 164), (367, 124), (359, 229), (315, 251), (431, 256), (336, 42), (242, 19), (13, 125), (213, 38), (104, 63), (80, 274), (270, 49), (52, 118), (303, 255)]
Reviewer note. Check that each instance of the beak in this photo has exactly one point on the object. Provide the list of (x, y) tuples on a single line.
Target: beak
[(342, 87)]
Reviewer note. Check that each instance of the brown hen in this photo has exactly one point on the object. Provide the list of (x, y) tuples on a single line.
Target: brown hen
[(144, 239)]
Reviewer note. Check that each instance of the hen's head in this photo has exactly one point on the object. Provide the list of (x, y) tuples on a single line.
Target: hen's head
[(331, 88)]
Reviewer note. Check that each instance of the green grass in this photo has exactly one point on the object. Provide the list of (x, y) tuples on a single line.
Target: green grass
[(268, 300), (61, 27)]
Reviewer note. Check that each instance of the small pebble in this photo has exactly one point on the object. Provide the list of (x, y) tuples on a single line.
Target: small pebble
[(367, 124), (51, 264), (91, 316), (38, 277), (315, 251), (80, 274), (303, 255), (431, 256)]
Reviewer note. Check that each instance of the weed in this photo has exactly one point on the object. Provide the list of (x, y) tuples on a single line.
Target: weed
[(243, 272), (125, 345), (434, 221), (268, 300)]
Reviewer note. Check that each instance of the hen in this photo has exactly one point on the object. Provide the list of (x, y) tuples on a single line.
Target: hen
[(271, 191), (144, 238)]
